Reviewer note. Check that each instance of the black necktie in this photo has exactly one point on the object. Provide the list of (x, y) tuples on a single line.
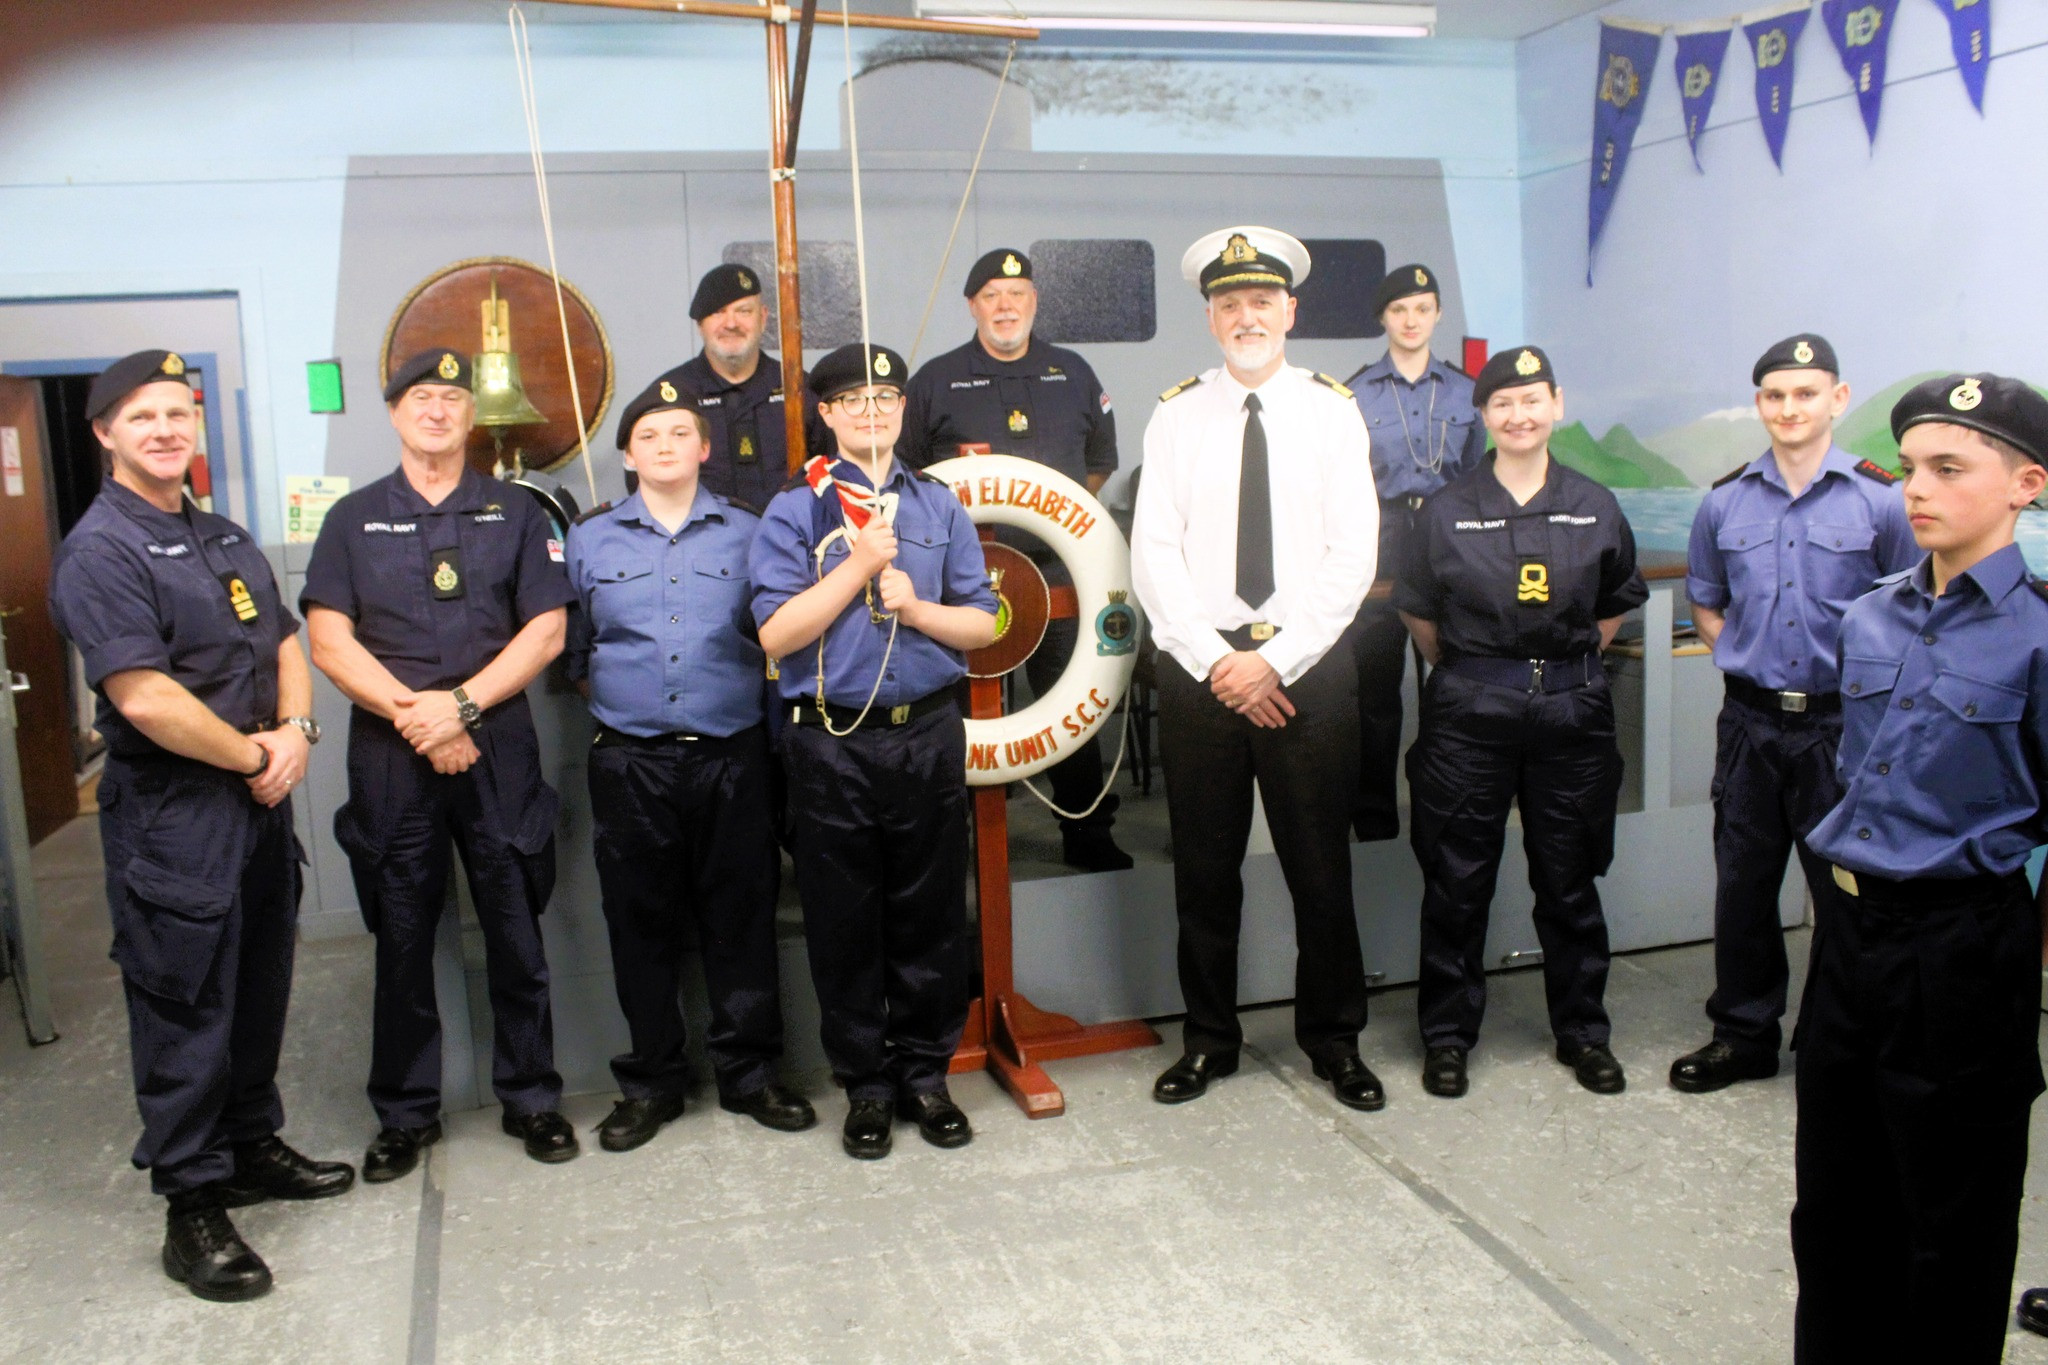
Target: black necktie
[(1254, 513)]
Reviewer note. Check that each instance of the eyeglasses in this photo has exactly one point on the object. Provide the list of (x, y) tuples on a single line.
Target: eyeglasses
[(884, 401)]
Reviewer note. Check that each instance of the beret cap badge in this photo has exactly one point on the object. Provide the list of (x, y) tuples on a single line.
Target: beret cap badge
[(668, 392), (881, 363), (1527, 363), (1421, 277), (449, 367), (1803, 352), (1011, 265), (1966, 395), (173, 364)]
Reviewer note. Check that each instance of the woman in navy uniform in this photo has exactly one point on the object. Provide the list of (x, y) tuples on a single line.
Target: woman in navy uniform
[(206, 705), (869, 587), (682, 818), (1518, 577), (1919, 1028), (1004, 390), (433, 597)]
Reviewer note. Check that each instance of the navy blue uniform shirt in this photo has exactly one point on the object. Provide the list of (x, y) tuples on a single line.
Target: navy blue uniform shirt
[(1944, 725), (666, 631), (1046, 405), (1532, 581), (936, 545), (1784, 569), (138, 587), (1424, 434), (749, 442), (376, 563)]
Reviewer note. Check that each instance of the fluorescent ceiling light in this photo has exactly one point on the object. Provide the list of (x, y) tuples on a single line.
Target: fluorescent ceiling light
[(1314, 18)]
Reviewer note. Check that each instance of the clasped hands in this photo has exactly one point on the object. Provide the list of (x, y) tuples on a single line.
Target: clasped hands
[(432, 723), (288, 751), (873, 556), (1247, 684)]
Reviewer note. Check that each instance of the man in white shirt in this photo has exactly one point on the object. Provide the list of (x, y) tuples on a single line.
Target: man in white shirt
[(1256, 535)]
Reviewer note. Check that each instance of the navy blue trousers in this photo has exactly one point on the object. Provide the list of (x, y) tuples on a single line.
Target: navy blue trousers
[(684, 838), (203, 888), (880, 847)]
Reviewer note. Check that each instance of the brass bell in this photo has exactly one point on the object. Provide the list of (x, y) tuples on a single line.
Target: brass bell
[(500, 397)]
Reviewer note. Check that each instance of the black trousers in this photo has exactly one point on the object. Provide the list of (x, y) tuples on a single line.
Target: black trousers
[(397, 828), (1076, 779), (1774, 778), (1305, 772), (1918, 1061), (203, 889), (684, 838), (880, 831), (1481, 748), (1379, 644)]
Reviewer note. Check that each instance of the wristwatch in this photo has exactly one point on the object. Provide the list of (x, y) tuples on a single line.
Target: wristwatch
[(260, 768), (305, 725), (472, 714)]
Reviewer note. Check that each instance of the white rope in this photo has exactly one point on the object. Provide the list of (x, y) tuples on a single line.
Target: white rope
[(946, 257), (1121, 741), (522, 57)]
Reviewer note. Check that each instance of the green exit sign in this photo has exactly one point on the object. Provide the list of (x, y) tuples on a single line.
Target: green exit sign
[(323, 385)]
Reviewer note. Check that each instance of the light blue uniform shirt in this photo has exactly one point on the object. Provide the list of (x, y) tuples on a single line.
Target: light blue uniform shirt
[(1424, 434)]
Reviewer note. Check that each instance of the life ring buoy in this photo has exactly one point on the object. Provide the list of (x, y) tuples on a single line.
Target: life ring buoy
[(1004, 490)]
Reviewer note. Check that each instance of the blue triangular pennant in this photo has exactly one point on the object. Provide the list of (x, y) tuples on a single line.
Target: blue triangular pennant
[(1771, 44), (1628, 58), (1862, 33), (1698, 67), (1969, 36)]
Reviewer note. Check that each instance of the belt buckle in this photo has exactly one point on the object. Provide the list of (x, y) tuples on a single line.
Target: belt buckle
[(1535, 675), (1846, 879), (1414, 501), (1263, 630), (1794, 702), (898, 714)]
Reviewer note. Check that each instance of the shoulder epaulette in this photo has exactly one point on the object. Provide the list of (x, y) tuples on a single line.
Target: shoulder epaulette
[(1732, 475), (1178, 389), (596, 511), (929, 477), (2038, 586), (1870, 469), (1328, 382)]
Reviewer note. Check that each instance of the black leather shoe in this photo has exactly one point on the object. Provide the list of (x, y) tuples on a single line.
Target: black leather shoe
[(547, 1135), (866, 1136), (203, 1252), (2033, 1311), (1718, 1066), (1353, 1083), (774, 1105), (1595, 1067), (1443, 1072), (630, 1124), (395, 1151), (270, 1170), (1188, 1078), (938, 1119), (1093, 849)]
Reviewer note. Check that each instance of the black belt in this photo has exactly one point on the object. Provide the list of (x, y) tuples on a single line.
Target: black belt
[(806, 712), (1785, 703), (1251, 636), (607, 736), (1529, 675), (1928, 893)]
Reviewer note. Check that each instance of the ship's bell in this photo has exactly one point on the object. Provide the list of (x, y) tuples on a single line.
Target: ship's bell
[(500, 397)]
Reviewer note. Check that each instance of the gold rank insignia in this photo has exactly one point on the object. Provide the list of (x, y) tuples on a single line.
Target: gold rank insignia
[(1803, 353), (746, 446), (1527, 363), (445, 577), (667, 392), (1966, 395), (1019, 423), (881, 364), (1238, 251), (1421, 276), (173, 364), (1011, 265), (1533, 585), (449, 367), (239, 598), (746, 280)]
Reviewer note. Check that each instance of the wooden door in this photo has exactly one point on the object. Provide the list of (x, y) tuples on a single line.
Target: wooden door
[(49, 778)]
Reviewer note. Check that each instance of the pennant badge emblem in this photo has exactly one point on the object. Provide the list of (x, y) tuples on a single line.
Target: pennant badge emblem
[(173, 364), (1237, 251), (1966, 395), (1697, 80), (667, 391), (1803, 353), (449, 366), (1770, 48), (1860, 28), (1619, 84), (1533, 585), (1526, 363), (1011, 265)]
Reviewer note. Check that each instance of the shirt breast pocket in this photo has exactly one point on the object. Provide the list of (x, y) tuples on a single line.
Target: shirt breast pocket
[(1866, 678), (623, 592), (1749, 553), (1980, 759), (921, 553), (1842, 562), (718, 590)]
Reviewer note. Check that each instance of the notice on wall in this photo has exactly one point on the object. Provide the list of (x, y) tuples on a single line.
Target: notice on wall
[(306, 500), (10, 461)]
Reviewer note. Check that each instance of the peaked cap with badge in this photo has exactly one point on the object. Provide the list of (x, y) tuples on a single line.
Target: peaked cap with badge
[(1245, 257), (429, 367), (659, 396), (1004, 263), (721, 287), (1510, 369), (1403, 282), (1806, 351), (850, 367), (2009, 409), (128, 374)]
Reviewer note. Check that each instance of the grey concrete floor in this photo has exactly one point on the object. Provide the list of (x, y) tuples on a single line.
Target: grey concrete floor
[(1531, 1221)]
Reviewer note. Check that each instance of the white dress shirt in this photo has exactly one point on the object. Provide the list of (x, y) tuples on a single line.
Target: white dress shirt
[(1326, 519)]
